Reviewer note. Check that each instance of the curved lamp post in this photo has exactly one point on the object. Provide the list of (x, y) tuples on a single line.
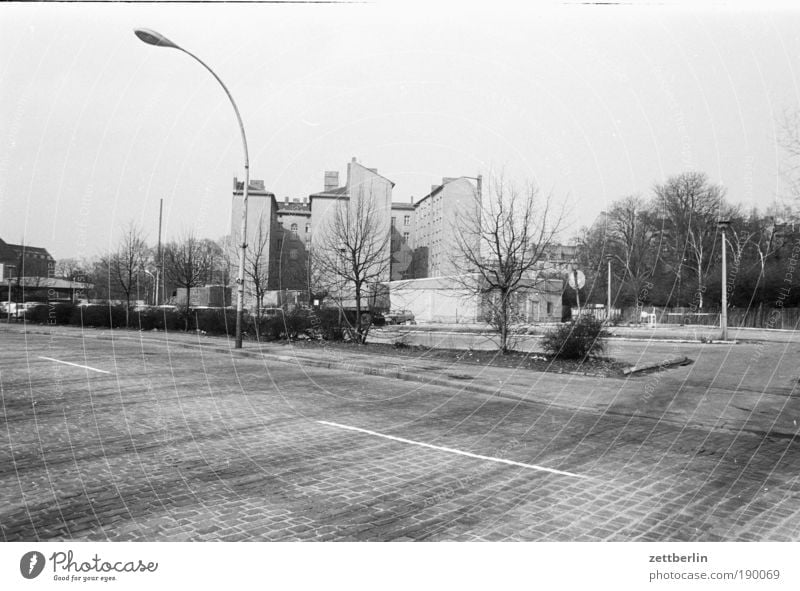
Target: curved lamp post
[(157, 39)]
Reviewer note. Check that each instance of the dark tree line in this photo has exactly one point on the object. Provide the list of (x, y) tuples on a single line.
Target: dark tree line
[(666, 250)]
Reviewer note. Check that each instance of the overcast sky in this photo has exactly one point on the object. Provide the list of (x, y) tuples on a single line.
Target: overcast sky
[(590, 102)]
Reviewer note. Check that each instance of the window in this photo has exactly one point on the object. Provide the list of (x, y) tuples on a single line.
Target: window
[(407, 220), (293, 254), (549, 308), (394, 219), (308, 228), (294, 228)]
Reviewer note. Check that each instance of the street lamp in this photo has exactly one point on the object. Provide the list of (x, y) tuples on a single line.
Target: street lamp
[(608, 296), (157, 39), (723, 319)]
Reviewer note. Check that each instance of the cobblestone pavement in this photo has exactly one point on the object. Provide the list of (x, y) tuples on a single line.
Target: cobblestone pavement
[(182, 444)]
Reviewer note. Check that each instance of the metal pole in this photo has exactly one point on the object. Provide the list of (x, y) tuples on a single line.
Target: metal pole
[(9, 301), (577, 291), (723, 320), (608, 307), (157, 39), (159, 261)]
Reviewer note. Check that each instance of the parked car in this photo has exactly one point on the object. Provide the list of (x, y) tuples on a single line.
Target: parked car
[(400, 317)]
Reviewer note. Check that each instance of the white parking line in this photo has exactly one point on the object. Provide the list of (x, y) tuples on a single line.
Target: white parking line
[(453, 451), (75, 364)]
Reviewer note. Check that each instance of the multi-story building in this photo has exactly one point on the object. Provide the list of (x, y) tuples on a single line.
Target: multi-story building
[(402, 225), (364, 190), (20, 260), (292, 244), (262, 233), (436, 219)]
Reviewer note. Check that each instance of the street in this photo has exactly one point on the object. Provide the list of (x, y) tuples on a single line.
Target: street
[(132, 439)]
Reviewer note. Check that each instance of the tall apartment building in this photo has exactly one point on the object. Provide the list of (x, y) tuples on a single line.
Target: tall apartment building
[(262, 230), (363, 187), (293, 243), (435, 221), (403, 229)]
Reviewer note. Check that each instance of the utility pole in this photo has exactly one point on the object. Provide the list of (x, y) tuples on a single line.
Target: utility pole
[(723, 318), (159, 261)]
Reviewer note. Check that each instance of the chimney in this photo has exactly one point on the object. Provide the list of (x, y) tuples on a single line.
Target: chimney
[(412, 200), (331, 180), (447, 179), (295, 200), (286, 199), (434, 187)]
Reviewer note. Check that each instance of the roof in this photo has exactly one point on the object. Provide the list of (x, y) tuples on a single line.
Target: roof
[(373, 171), (256, 187), (8, 250), (439, 188), (54, 283), (403, 205), (338, 192)]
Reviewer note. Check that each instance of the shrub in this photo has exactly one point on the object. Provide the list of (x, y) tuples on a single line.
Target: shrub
[(98, 316), (577, 339), (50, 313), (213, 321)]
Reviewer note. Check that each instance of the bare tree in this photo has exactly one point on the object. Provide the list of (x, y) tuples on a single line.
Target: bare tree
[(500, 246), (126, 264), (257, 262), (690, 208), (70, 268), (351, 256), (633, 235), (187, 264)]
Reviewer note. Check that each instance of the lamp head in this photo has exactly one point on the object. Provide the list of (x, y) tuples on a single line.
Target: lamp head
[(153, 38), (723, 224)]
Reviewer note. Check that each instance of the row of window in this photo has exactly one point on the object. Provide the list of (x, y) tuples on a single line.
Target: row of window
[(294, 228), (406, 220)]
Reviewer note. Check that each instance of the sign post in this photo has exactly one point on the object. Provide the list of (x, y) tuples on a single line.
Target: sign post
[(576, 281)]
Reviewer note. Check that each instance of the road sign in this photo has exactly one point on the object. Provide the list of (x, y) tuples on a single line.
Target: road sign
[(576, 279)]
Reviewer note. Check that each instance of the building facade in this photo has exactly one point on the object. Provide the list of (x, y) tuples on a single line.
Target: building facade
[(20, 260), (436, 219), (365, 190), (403, 231)]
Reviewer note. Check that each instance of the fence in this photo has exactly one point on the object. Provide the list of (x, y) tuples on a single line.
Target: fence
[(760, 317)]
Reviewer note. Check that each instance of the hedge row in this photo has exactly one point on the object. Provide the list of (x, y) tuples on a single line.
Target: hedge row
[(319, 324)]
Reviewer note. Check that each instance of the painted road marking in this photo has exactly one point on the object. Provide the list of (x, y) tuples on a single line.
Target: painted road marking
[(75, 364), (453, 451)]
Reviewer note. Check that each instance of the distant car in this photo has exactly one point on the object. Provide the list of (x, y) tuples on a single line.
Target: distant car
[(13, 307), (399, 317)]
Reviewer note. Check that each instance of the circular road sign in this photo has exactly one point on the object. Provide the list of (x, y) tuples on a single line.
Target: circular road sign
[(576, 279)]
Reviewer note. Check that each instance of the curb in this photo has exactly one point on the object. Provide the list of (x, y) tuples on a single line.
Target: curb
[(680, 360)]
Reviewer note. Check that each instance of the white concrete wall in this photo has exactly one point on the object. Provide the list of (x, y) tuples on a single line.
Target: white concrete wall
[(434, 300)]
